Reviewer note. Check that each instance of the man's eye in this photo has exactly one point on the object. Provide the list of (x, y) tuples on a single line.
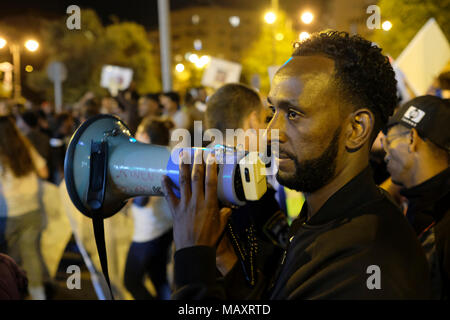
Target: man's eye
[(293, 115), (272, 110), (270, 113)]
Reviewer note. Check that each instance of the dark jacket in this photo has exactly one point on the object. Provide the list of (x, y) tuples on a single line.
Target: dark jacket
[(258, 232), (429, 213), (332, 255), (13, 281)]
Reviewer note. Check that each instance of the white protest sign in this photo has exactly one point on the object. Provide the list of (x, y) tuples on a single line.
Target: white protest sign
[(220, 72), (116, 78), (424, 57), (7, 84)]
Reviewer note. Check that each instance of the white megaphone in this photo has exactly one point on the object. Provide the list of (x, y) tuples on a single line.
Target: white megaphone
[(105, 166)]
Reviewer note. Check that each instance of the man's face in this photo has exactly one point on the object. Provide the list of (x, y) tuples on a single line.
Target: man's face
[(147, 106), (168, 104), (304, 100), (398, 159)]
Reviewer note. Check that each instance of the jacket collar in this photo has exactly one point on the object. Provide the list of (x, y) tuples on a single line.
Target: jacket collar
[(427, 196), (357, 192)]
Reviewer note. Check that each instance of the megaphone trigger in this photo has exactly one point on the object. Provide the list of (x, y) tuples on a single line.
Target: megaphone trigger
[(97, 175)]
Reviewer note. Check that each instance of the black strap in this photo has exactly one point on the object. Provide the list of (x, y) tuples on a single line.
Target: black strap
[(99, 233), (95, 198)]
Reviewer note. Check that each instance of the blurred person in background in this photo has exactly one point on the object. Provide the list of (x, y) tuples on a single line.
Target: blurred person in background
[(109, 105), (417, 145), (4, 108), (48, 112), (14, 284), (90, 108), (43, 123), (201, 98), (173, 110), (63, 130), (193, 114), (20, 167), (444, 85), (128, 105), (152, 237), (149, 106), (38, 139)]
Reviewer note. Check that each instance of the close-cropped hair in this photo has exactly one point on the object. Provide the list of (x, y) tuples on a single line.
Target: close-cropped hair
[(230, 105), (363, 74)]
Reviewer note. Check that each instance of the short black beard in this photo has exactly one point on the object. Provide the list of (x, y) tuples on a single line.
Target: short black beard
[(311, 175)]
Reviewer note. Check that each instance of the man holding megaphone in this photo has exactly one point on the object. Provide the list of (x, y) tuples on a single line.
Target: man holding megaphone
[(350, 241)]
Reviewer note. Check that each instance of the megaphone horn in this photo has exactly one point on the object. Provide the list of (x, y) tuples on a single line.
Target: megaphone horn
[(104, 166)]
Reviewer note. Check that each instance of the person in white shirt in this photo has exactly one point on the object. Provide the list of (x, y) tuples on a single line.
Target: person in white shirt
[(152, 238), (20, 211)]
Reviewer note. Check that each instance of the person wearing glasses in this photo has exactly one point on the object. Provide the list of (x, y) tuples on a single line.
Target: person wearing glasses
[(417, 145)]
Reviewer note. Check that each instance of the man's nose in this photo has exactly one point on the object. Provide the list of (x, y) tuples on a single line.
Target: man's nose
[(386, 157), (276, 129)]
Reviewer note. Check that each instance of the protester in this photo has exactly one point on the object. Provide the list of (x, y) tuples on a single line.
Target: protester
[(62, 132), (14, 283), (173, 110), (38, 139), (149, 106), (128, 105), (109, 105), (20, 167), (194, 114), (417, 148), (444, 85), (148, 254), (256, 246), (350, 241), (235, 106)]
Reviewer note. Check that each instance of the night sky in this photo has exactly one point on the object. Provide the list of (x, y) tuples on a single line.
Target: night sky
[(141, 11)]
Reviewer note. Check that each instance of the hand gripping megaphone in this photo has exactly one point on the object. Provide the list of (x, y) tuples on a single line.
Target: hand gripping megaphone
[(105, 166)]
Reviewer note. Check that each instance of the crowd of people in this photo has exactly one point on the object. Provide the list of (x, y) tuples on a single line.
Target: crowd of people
[(34, 139), (344, 136)]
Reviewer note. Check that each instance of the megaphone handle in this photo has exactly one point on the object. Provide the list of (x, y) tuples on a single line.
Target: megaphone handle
[(97, 174), (99, 234)]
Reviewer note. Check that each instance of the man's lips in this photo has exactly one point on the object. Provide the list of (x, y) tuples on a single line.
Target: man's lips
[(281, 155)]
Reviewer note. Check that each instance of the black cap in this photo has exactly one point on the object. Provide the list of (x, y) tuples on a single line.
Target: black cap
[(429, 115)]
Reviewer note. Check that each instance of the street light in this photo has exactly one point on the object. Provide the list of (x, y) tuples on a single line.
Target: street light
[(270, 17), (15, 49), (387, 25), (303, 36), (234, 21), (279, 36), (179, 67), (307, 17), (32, 45), (193, 58)]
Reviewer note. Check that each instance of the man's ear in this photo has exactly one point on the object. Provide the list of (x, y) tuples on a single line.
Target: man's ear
[(359, 129), (253, 121), (413, 140)]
